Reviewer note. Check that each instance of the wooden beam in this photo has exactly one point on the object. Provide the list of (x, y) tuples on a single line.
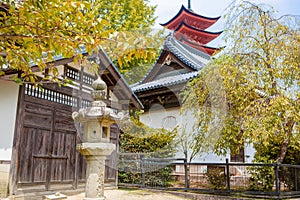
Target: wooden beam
[(13, 173)]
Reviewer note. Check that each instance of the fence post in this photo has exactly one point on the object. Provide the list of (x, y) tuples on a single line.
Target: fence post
[(186, 174), (277, 179), (227, 175), (143, 170), (296, 179)]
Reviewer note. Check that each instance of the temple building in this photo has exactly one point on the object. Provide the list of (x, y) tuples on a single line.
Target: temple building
[(184, 54)]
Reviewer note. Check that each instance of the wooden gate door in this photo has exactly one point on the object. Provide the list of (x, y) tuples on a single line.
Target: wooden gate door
[(46, 149)]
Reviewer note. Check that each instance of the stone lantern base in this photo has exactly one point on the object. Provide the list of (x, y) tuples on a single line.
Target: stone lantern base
[(95, 158)]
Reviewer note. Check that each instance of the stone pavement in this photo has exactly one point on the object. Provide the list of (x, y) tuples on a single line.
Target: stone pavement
[(117, 194)]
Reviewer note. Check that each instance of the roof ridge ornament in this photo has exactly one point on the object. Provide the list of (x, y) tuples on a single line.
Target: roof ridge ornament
[(189, 5)]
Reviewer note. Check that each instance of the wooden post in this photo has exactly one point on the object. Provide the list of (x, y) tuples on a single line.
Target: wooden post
[(14, 165), (143, 170), (277, 179), (227, 175), (296, 179)]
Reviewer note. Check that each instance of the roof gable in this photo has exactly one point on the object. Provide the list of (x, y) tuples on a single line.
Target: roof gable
[(184, 56), (114, 79)]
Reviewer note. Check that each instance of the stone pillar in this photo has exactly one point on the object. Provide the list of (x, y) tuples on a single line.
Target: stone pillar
[(95, 170), (96, 120), (95, 177)]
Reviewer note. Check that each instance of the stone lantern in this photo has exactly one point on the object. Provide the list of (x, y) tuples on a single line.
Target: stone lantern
[(95, 145)]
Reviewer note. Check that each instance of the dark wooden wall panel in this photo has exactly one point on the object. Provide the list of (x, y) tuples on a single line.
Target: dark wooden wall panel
[(39, 171), (70, 148), (41, 143), (25, 155)]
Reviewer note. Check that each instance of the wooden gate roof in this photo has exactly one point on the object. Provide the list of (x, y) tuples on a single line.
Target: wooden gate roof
[(108, 72)]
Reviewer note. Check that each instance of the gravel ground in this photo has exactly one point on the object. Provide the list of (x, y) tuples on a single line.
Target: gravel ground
[(132, 195)]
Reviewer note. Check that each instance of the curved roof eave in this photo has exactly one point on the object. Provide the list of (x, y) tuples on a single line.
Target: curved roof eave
[(111, 67), (200, 36), (206, 49), (188, 27), (184, 10), (165, 82)]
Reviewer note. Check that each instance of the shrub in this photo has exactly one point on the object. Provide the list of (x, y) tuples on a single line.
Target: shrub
[(216, 177), (145, 143), (262, 178)]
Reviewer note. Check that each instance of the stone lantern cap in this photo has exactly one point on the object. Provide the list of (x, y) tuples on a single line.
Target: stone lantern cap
[(98, 108)]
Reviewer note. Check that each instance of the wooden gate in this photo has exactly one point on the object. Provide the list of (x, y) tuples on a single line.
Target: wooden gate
[(48, 147), (45, 142)]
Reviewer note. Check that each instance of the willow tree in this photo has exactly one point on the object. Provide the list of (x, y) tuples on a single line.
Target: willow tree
[(35, 32), (250, 94)]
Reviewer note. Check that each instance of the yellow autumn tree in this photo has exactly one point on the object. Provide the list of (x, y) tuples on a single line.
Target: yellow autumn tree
[(36, 32)]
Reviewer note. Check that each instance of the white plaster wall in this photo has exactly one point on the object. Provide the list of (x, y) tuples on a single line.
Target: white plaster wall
[(249, 153), (8, 107), (157, 113), (154, 118)]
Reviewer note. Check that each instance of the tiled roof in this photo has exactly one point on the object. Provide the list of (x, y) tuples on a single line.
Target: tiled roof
[(188, 55), (193, 58), (165, 82)]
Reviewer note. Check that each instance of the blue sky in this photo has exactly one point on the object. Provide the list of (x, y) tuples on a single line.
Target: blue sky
[(167, 9)]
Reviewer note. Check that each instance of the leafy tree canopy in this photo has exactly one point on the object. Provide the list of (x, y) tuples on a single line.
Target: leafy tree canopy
[(35, 32), (250, 93)]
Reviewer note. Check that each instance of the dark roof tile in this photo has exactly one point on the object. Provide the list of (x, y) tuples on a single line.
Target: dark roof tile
[(165, 82)]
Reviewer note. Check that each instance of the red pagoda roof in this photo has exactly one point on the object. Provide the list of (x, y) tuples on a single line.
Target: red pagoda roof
[(190, 18), (206, 49), (193, 34)]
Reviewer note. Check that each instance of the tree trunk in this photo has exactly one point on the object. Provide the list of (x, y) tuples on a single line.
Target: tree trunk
[(188, 169), (285, 144), (282, 152)]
